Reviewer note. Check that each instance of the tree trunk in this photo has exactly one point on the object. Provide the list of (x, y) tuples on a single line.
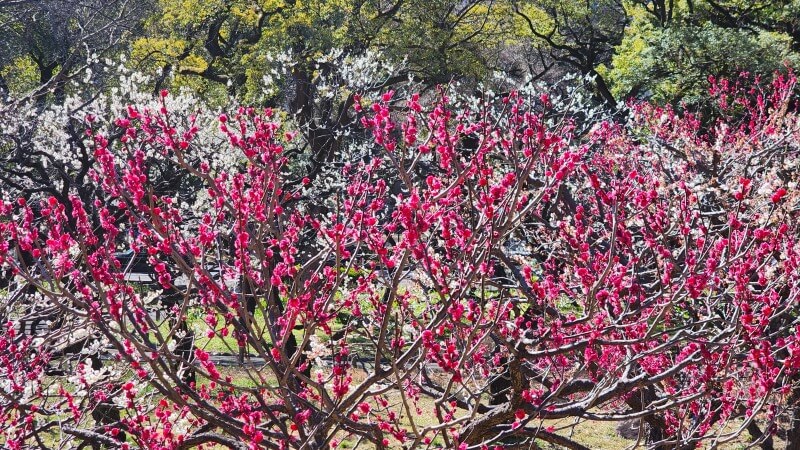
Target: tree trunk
[(603, 89), (655, 423), (756, 434), (793, 432)]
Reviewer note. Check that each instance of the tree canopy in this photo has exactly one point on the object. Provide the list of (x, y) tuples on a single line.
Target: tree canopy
[(418, 224), (662, 50)]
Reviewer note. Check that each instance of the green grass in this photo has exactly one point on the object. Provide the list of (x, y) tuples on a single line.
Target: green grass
[(596, 435)]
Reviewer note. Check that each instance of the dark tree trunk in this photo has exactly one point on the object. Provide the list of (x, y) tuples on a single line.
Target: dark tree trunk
[(639, 402), (793, 431), (756, 434), (3, 87), (500, 385), (603, 89)]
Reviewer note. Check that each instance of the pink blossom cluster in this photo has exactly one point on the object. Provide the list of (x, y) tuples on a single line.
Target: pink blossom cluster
[(482, 273)]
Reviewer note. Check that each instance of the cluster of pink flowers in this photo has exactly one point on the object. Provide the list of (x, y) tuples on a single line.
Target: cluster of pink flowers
[(487, 269)]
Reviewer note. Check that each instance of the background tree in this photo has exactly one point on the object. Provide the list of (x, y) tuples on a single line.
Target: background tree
[(46, 44), (670, 48), (579, 35)]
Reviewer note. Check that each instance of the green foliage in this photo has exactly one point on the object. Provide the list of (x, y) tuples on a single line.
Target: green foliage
[(671, 62), (444, 39), (660, 49), (234, 43), (20, 75)]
